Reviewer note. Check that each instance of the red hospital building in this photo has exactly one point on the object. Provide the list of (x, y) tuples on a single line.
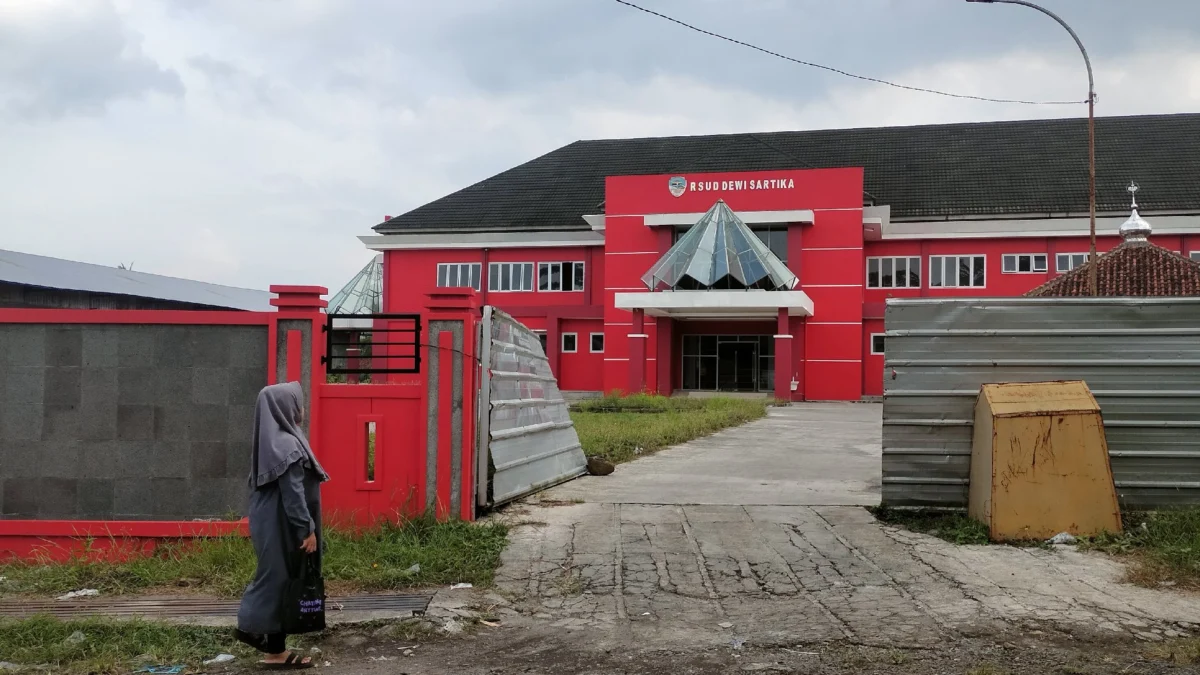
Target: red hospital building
[(590, 244)]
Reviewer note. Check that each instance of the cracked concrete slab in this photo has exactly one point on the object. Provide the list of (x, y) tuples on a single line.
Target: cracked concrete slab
[(757, 535)]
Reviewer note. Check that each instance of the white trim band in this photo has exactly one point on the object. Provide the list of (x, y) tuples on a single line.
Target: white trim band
[(783, 337)]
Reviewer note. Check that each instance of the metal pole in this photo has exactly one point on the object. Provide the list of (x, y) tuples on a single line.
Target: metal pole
[(1091, 101)]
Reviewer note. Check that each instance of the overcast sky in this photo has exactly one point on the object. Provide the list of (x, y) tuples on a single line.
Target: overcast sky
[(249, 142)]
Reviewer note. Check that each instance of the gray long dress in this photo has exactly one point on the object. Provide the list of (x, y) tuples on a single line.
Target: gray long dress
[(294, 499), (285, 505)]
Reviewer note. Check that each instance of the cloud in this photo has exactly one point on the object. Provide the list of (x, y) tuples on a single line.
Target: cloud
[(300, 130), (77, 57)]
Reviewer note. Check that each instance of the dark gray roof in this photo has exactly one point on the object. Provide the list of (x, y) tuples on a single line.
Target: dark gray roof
[(934, 171), (35, 270)]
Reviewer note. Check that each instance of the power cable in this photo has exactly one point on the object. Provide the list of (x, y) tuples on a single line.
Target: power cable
[(831, 69)]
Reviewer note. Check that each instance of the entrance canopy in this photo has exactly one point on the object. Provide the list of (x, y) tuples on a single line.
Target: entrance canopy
[(719, 251), (718, 304)]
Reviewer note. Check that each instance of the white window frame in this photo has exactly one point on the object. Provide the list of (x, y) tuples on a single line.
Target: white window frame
[(459, 267), (1016, 257), (561, 265), (495, 279), (1071, 255), (908, 262), (563, 343), (879, 335), (941, 259), (1194, 255), (592, 344)]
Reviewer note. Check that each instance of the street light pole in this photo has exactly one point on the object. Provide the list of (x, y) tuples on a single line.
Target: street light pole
[(1091, 101)]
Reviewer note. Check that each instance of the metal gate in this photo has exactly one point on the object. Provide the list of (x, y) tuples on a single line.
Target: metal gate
[(527, 441)]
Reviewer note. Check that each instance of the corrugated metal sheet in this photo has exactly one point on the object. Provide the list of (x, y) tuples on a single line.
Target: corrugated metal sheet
[(530, 439), (1139, 357)]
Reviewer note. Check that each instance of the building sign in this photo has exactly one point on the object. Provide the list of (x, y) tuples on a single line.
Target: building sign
[(679, 185)]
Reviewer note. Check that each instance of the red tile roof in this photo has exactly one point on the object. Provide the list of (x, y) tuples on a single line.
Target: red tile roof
[(1133, 269)]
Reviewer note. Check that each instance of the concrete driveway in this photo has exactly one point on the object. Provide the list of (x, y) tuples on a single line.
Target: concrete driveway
[(803, 455)]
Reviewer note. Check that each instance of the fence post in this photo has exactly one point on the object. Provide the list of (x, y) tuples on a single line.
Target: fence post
[(451, 381), (299, 344)]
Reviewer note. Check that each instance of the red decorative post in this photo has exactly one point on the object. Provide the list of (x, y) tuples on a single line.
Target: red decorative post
[(637, 352), (783, 357), (300, 317), (450, 464)]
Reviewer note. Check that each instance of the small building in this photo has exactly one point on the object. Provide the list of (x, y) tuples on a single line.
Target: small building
[(1135, 268), (41, 282)]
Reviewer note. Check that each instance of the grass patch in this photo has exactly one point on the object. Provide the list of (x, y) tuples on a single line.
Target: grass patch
[(372, 559), (1164, 547), (1180, 652), (620, 429), (952, 526), (109, 646)]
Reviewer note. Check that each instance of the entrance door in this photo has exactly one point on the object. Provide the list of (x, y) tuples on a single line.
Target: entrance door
[(736, 366)]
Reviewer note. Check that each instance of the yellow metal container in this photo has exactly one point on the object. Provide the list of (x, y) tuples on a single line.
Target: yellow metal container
[(1039, 462)]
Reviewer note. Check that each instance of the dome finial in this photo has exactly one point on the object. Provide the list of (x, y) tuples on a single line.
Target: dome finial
[(1135, 229)]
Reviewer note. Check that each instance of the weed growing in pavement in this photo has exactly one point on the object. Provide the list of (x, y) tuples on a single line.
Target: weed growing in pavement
[(1180, 652), (374, 558), (952, 526), (1163, 545), (620, 429)]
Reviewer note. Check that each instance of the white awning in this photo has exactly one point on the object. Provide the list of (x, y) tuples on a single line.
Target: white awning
[(718, 304)]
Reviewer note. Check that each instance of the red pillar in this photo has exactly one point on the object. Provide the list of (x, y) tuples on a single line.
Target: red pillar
[(455, 304), (637, 353), (665, 355), (783, 357), (301, 303)]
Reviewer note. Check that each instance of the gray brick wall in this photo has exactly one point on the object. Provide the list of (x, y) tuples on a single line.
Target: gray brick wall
[(127, 422)]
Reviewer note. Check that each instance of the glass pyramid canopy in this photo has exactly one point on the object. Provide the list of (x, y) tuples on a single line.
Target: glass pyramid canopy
[(364, 293), (719, 251)]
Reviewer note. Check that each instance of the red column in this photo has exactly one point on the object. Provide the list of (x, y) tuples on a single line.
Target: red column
[(302, 303), (455, 304), (665, 355), (783, 357), (637, 353)]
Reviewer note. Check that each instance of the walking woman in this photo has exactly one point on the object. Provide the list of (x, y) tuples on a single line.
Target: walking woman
[(285, 520)]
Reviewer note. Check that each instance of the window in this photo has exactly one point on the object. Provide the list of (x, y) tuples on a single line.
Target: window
[(564, 276), (1195, 255), (542, 340), (894, 272), (957, 271), (1065, 262), (597, 343), (453, 275), (876, 343), (510, 277), (1024, 263), (570, 343), (775, 237)]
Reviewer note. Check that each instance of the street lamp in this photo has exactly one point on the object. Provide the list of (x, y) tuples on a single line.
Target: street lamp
[(1091, 101)]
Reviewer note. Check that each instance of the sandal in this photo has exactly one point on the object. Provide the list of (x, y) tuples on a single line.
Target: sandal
[(294, 662), (254, 640)]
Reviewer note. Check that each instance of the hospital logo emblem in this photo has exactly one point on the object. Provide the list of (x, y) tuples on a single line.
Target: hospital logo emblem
[(677, 186)]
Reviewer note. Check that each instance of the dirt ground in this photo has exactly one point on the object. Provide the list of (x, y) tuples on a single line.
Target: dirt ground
[(534, 651)]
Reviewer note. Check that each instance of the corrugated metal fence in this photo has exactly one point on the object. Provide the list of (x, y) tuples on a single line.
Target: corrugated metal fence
[(528, 442), (1140, 357)]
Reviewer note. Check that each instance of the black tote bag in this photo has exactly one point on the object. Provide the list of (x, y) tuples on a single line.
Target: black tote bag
[(304, 598)]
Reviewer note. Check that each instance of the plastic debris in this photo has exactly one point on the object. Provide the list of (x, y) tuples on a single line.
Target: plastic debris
[(1063, 538), (725, 624), (380, 658), (453, 627), (219, 658), (5, 665), (408, 652), (415, 569), (82, 593), (455, 587), (75, 639), (490, 624), (738, 642), (161, 670)]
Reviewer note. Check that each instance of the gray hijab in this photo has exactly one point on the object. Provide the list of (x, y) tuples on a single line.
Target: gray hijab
[(278, 440)]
